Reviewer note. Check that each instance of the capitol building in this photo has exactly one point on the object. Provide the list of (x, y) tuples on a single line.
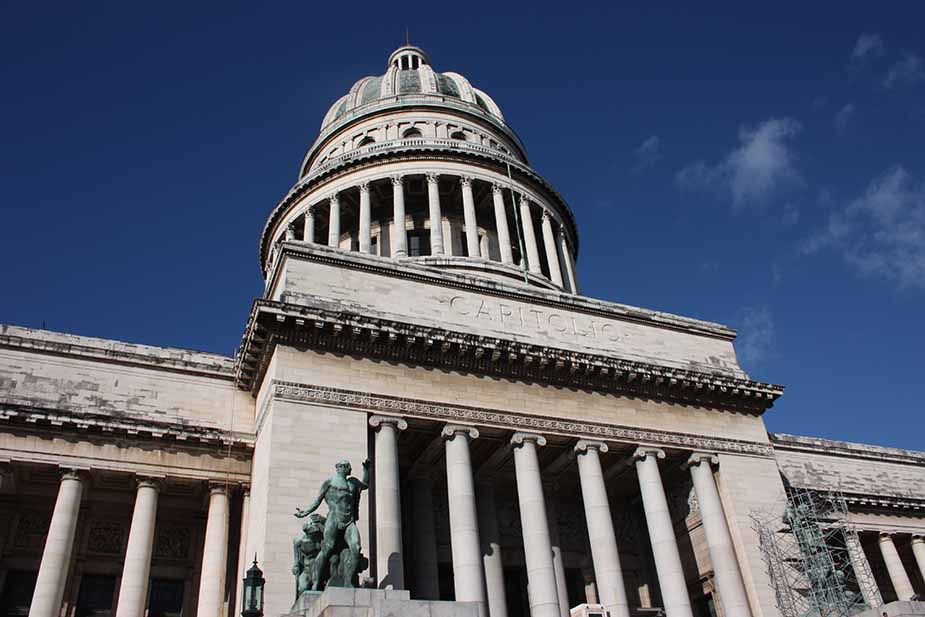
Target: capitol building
[(533, 451)]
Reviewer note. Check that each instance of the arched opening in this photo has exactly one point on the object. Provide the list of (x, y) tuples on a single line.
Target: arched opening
[(412, 132), (366, 141), (458, 135)]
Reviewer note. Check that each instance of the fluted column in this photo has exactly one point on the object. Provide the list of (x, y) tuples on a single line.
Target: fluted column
[(426, 582), (552, 254), (661, 533), (526, 222), (334, 221), (365, 216), (490, 541), (918, 549), (389, 562), (436, 216), (56, 556), (214, 554), (862, 571), (472, 228), (568, 262), (464, 528), (504, 236), (242, 548), (399, 234), (719, 540), (894, 566), (541, 576), (133, 591), (308, 229), (605, 556)]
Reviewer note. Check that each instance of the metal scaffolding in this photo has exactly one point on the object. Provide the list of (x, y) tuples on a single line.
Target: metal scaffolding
[(811, 557)]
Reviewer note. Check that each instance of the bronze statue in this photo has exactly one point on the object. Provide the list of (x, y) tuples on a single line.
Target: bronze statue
[(338, 559), (305, 548)]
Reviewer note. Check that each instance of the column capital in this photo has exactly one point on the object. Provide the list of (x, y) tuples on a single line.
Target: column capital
[(523, 200), (311, 210), (696, 458), (334, 198), (432, 177), (496, 188), (397, 180), (450, 431), (378, 421), (364, 187), (465, 180), (217, 487), (155, 482), (74, 473), (546, 216), (885, 535), (585, 445), (644, 451), (518, 439)]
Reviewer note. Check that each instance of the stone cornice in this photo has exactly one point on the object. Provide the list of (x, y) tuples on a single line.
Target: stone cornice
[(116, 352), (273, 323), (818, 445), (417, 149), (884, 502), (21, 415), (517, 422)]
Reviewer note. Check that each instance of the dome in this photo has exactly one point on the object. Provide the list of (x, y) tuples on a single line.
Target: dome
[(409, 74)]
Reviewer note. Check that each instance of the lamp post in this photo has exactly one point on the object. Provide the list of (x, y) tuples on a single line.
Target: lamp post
[(253, 592)]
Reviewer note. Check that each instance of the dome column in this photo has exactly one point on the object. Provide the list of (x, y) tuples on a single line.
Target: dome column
[(436, 216), (565, 258), (472, 228), (526, 221), (364, 218), (504, 236), (552, 255), (399, 235), (334, 221), (308, 233)]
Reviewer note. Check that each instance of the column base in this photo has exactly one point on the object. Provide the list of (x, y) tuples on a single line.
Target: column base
[(379, 602)]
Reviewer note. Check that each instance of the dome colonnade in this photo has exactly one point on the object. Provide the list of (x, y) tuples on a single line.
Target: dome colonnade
[(433, 174)]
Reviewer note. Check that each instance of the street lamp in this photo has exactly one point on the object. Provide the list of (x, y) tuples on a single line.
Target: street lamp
[(253, 592)]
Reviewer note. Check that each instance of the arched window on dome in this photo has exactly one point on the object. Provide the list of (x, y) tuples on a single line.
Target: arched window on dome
[(366, 141), (412, 132), (458, 135)]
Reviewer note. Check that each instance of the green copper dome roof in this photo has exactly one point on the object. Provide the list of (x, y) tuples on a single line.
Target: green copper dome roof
[(410, 74)]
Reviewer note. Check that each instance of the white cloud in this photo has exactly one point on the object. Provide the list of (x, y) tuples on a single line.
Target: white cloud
[(867, 45), (647, 154), (843, 117), (752, 172), (910, 70), (881, 233), (756, 335)]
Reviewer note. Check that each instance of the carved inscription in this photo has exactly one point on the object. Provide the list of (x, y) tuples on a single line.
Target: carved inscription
[(544, 321)]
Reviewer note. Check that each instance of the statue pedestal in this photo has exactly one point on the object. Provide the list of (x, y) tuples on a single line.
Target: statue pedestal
[(344, 602)]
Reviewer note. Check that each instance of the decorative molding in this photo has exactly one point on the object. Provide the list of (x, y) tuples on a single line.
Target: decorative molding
[(173, 542), (519, 439), (509, 420), (450, 431), (643, 452), (584, 445), (377, 422), (818, 445)]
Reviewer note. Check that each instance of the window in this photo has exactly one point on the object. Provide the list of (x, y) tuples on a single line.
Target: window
[(166, 598), (418, 243), (374, 245), (366, 141), (458, 135), (412, 132), (95, 596)]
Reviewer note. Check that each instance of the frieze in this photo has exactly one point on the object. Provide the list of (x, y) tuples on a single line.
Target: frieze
[(31, 530), (505, 419), (173, 543)]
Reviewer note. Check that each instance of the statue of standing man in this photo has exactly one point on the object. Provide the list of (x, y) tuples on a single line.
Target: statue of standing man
[(341, 493)]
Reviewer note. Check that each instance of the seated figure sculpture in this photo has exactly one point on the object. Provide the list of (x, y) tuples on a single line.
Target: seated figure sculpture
[(336, 559)]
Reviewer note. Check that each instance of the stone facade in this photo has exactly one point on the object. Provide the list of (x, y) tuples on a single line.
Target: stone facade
[(534, 449)]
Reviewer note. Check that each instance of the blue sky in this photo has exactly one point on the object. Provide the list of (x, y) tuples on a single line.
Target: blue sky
[(753, 165)]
